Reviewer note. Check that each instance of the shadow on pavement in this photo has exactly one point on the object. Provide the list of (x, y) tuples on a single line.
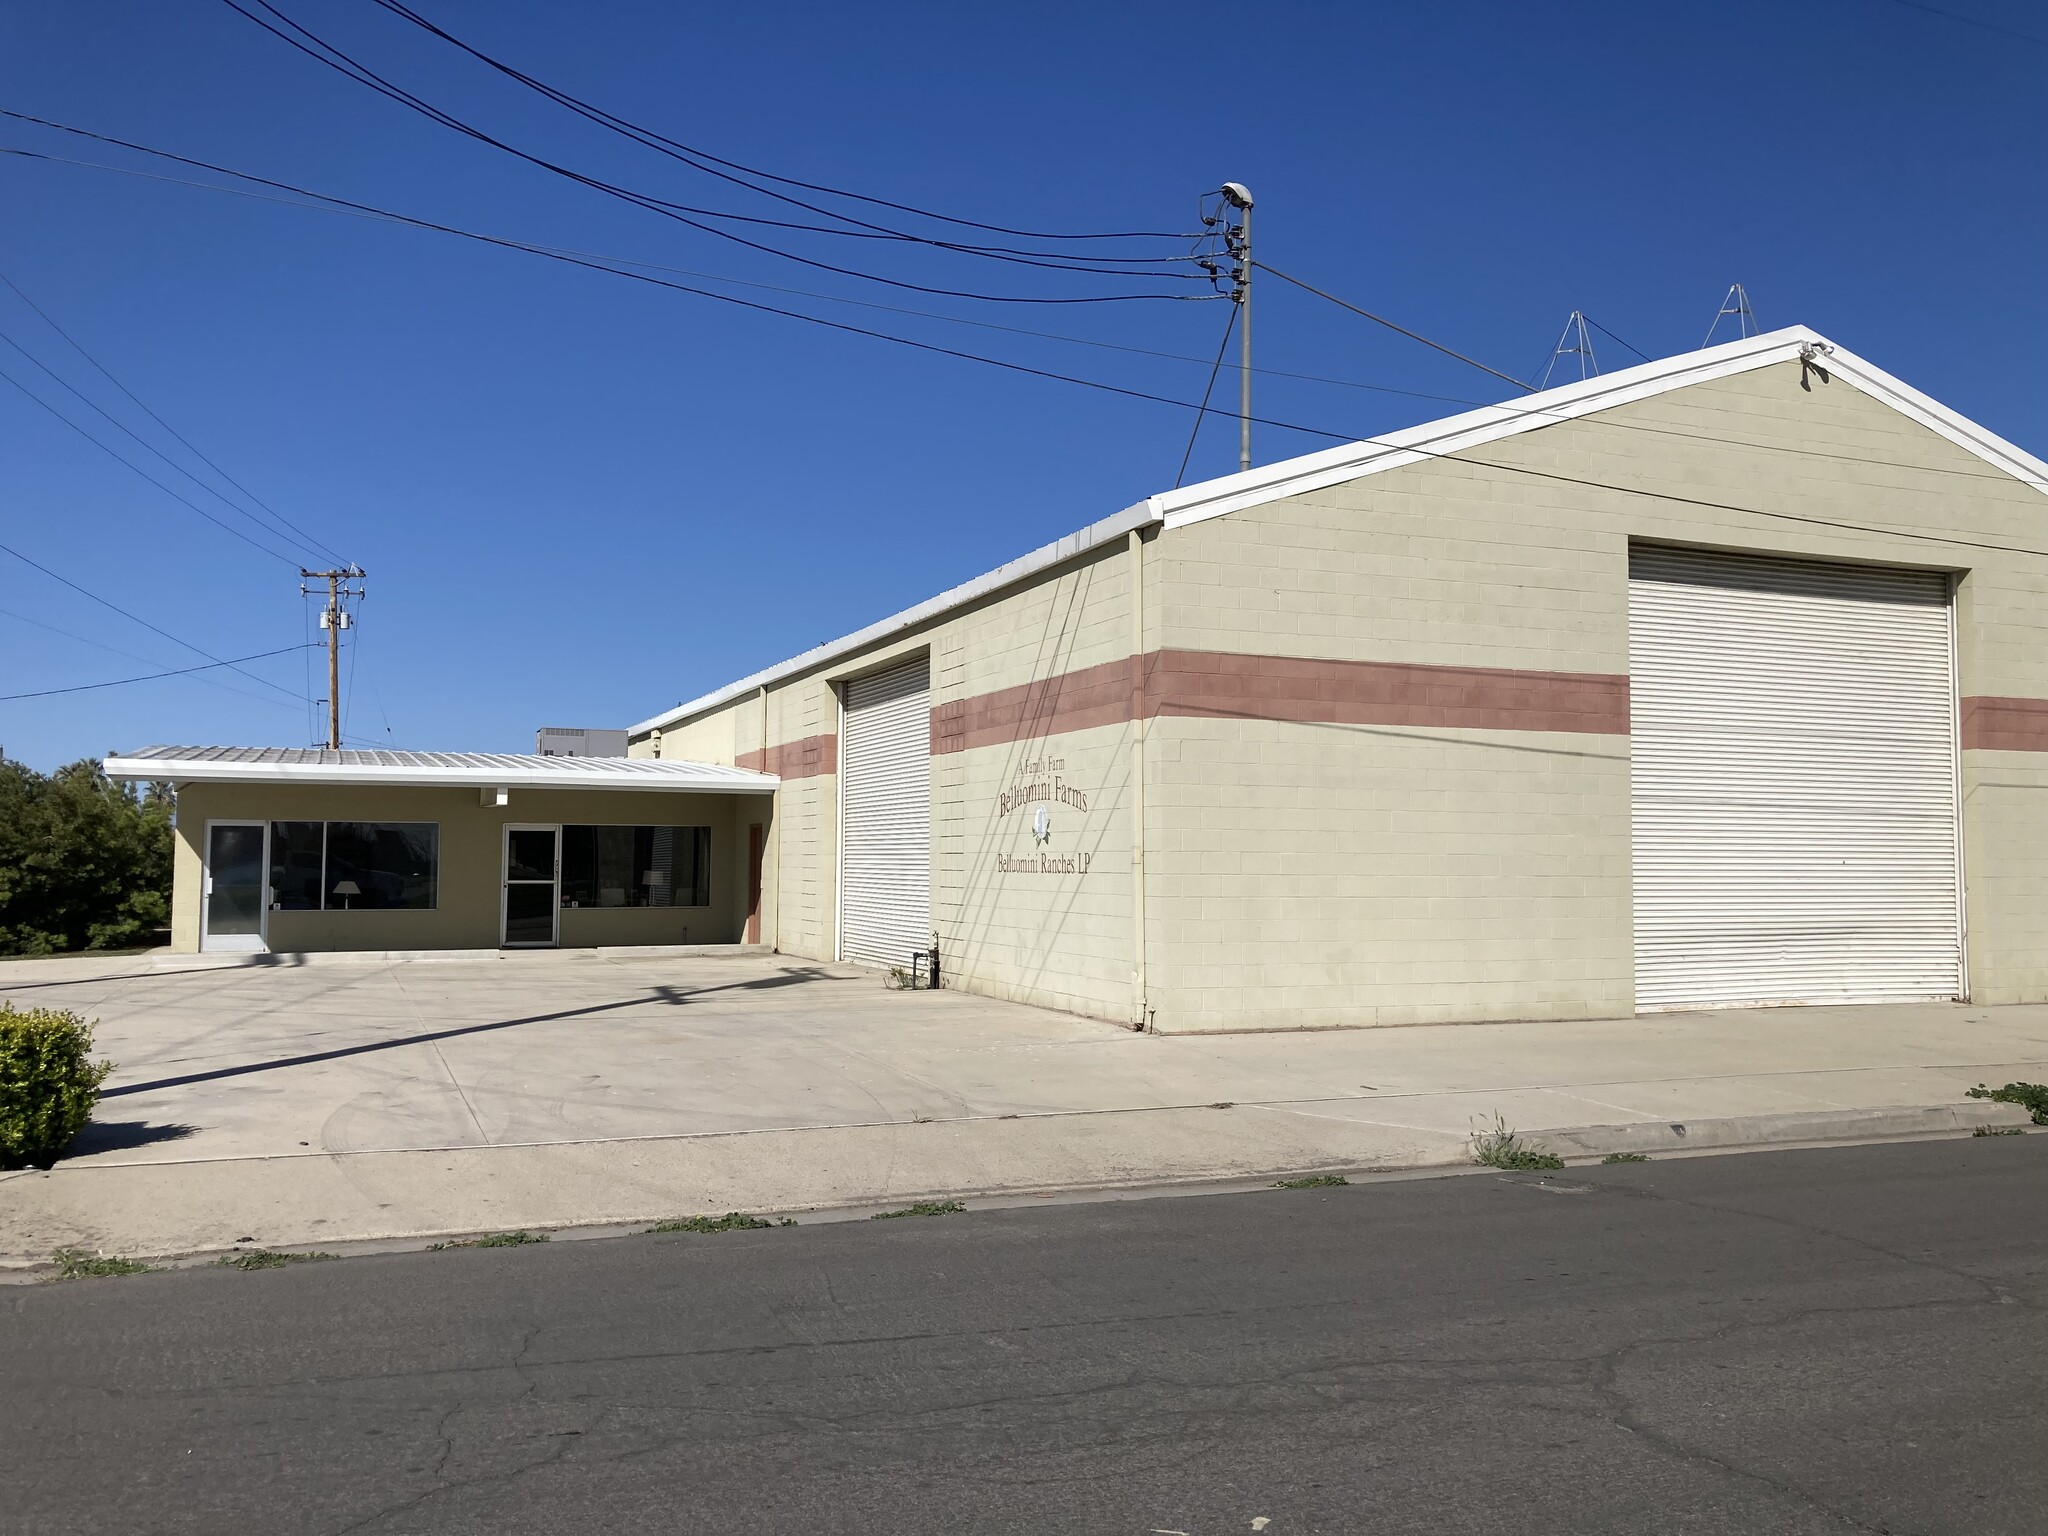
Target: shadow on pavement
[(124, 1135), (670, 996)]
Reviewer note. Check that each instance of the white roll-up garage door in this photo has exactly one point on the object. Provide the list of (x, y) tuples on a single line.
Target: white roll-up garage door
[(1794, 782), (885, 817)]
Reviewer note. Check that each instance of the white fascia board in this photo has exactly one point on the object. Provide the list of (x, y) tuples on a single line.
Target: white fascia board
[(716, 780), (1472, 429), (1059, 551)]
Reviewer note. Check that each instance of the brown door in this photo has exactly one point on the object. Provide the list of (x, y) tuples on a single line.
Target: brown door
[(756, 840)]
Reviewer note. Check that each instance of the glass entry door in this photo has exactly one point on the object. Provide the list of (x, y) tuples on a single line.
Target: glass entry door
[(236, 878), (532, 880)]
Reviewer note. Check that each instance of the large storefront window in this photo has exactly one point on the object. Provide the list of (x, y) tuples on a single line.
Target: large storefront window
[(297, 849), (636, 866), (354, 866)]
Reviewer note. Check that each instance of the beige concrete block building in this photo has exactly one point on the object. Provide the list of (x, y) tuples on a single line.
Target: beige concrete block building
[(1718, 680), (300, 850)]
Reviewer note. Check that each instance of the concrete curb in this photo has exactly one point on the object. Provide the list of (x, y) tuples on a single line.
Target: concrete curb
[(1798, 1127), (401, 1199), (159, 960)]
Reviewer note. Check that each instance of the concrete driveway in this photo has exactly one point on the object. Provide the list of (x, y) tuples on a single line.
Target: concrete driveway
[(355, 1098), (347, 1055)]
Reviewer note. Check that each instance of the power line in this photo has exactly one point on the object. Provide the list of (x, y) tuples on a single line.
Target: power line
[(681, 151), (598, 265), (345, 65), (1639, 352), (615, 265), (79, 347), (115, 650), (122, 427), (145, 474), (1390, 325), (1202, 411), (152, 628), (147, 677), (325, 203), (1972, 21)]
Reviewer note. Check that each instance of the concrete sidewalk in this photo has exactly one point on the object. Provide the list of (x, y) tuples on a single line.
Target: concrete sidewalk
[(408, 1098)]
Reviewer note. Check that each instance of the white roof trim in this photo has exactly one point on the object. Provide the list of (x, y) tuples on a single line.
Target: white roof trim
[(448, 770), (1455, 434), (1060, 550), (1452, 434)]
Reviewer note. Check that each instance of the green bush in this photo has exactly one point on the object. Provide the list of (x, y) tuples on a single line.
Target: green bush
[(2033, 1097), (85, 863), (48, 1084)]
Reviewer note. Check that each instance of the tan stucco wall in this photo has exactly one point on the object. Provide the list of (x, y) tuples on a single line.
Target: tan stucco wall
[(471, 863)]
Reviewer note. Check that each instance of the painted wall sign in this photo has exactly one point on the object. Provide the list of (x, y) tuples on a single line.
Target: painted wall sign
[(1040, 780), (1041, 784)]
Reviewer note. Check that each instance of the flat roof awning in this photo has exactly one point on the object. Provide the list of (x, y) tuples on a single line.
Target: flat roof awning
[(454, 770)]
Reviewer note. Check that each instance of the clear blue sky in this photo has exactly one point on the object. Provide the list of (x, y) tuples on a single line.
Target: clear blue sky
[(581, 500)]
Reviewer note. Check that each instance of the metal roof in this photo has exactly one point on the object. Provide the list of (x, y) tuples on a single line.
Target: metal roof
[(1432, 440), (460, 770)]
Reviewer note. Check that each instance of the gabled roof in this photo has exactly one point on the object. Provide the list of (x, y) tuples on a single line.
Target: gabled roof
[(458, 770), (1472, 429), (1452, 434)]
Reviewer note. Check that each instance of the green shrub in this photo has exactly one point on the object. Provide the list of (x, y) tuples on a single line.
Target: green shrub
[(2032, 1096), (267, 1258), (731, 1221), (1503, 1148), (48, 1084), (922, 1208), (77, 1264), (84, 863)]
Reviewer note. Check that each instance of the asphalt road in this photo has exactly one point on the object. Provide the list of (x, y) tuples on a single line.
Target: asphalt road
[(1820, 1341)]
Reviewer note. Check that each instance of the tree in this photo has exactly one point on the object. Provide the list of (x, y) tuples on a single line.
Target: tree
[(85, 863)]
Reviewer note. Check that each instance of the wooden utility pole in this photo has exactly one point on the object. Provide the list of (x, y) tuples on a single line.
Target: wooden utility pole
[(334, 619)]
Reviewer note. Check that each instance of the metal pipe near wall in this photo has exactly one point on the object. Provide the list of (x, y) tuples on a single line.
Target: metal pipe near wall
[(1140, 1005)]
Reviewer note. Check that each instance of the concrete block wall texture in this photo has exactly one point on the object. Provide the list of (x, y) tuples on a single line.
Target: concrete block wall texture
[(466, 913), (1045, 936), (1387, 725), (1296, 854)]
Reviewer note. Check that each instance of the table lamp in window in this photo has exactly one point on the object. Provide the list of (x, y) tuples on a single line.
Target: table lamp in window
[(345, 889)]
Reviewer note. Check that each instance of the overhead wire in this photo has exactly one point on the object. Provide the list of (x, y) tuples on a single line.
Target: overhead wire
[(120, 426), (343, 64), (325, 203), (146, 475), (598, 265), (136, 618), (1390, 325), (690, 154), (147, 677), (616, 265), (1202, 411), (79, 347), (115, 650), (1639, 352)]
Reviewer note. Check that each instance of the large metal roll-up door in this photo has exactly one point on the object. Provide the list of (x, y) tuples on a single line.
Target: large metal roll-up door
[(885, 817), (1793, 782)]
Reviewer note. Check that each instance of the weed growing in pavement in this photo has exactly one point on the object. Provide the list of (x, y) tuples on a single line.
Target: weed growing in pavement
[(1624, 1157), (1999, 1130), (1503, 1148), (77, 1264), (267, 1258), (494, 1240), (923, 1208), (2032, 1096), (731, 1221), (1316, 1181)]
